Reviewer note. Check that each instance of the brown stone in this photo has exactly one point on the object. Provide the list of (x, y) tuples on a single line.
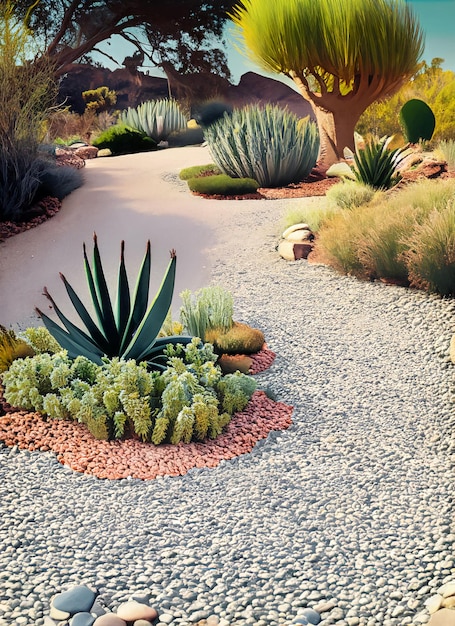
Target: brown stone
[(86, 152), (132, 611), (109, 619)]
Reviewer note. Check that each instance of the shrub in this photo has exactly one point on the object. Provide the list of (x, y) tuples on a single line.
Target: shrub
[(349, 194), (99, 99), (196, 171), (206, 309), (222, 185), (131, 329), (120, 139), (58, 181), (239, 339), (210, 112), (188, 401), (266, 144), (430, 254), (156, 118), (313, 214), (417, 121)]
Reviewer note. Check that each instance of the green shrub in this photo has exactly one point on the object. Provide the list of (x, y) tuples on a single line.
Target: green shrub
[(129, 330), (156, 118), (349, 194), (222, 185), (188, 401), (121, 139), (210, 112), (206, 309), (196, 171), (430, 254), (266, 144), (417, 121), (99, 99)]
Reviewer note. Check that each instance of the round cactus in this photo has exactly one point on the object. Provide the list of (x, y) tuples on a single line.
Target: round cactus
[(417, 121)]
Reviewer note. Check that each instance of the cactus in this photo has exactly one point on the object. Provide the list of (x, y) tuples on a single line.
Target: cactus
[(417, 121), (156, 118)]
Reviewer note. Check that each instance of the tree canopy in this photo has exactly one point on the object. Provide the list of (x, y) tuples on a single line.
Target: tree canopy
[(185, 33), (342, 54)]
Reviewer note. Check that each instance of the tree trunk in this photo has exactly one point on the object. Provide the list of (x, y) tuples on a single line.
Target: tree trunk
[(336, 131)]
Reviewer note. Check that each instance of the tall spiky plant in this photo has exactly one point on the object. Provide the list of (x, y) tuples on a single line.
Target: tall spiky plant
[(343, 55)]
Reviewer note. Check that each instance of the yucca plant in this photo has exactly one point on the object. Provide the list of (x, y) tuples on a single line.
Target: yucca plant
[(128, 330), (267, 144), (156, 118), (376, 165)]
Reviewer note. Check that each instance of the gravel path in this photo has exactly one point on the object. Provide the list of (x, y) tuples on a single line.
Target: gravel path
[(351, 507)]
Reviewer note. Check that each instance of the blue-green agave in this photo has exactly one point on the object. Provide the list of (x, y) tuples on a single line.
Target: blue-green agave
[(156, 118), (129, 329)]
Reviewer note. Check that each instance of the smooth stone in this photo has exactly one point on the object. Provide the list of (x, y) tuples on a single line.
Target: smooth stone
[(109, 619), (142, 622), (311, 615), (325, 607), (82, 619), (48, 621), (449, 603), (78, 599), (104, 152), (166, 618), (300, 620), (133, 610), (444, 617), (299, 236), (452, 349), (291, 251), (433, 604), (449, 588), (293, 228), (58, 615)]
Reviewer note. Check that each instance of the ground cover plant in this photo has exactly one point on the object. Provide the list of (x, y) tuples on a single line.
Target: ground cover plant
[(222, 185)]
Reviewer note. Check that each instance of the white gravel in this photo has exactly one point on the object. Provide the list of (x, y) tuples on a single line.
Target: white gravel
[(352, 505)]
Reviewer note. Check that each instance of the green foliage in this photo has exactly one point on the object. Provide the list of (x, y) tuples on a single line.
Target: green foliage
[(407, 236), (376, 165), (156, 118), (209, 112), (121, 139), (313, 214), (222, 185), (267, 144), (41, 340), (417, 121), (100, 99), (207, 309), (189, 401), (239, 339), (12, 348), (197, 171), (130, 329), (349, 194), (27, 92)]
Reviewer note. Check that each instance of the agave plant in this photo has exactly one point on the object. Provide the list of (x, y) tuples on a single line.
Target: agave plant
[(156, 118), (130, 328), (376, 164), (266, 144)]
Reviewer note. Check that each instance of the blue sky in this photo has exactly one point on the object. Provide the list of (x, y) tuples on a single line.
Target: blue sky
[(437, 18)]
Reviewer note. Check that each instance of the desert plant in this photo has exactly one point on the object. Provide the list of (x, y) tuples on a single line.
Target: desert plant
[(12, 348), (222, 185), (197, 171), (266, 144), (376, 165), (57, 181), (130, 332), (209, 112), (349, 194), (239, 339), (190, 400), (41, 340), (417, 121), (206, 309), (121, 139), (446, 149), (99, 99), (313, 214), (430, 254), (156, 118)]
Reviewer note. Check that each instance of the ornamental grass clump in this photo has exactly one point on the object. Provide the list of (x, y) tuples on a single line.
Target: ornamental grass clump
[(267, 144), (189, 401)]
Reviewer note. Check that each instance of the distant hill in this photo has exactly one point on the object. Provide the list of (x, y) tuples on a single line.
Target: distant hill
[(132, 89)]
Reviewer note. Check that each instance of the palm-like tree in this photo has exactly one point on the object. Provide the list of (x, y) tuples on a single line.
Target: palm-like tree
[(343, 55)]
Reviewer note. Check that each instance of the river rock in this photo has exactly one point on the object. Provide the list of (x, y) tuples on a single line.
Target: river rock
[(293, 228), (444, 617), (82, 619), (294, 251), (78, 599), (132, 611), (452, 358), (109, 619), (311, 615), (300, 236)]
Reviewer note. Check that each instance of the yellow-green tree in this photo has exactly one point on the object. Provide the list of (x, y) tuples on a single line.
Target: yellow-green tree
[(431, 84), (343, 55), (99, 99)]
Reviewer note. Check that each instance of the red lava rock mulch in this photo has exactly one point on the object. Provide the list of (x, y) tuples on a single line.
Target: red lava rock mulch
[(261, 360), (76, 447), (41, 212)]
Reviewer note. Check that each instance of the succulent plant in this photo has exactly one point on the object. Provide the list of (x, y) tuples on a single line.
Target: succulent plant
[(417, 121), (156, 118), (267, 144), (129, 331), (376, 165)]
